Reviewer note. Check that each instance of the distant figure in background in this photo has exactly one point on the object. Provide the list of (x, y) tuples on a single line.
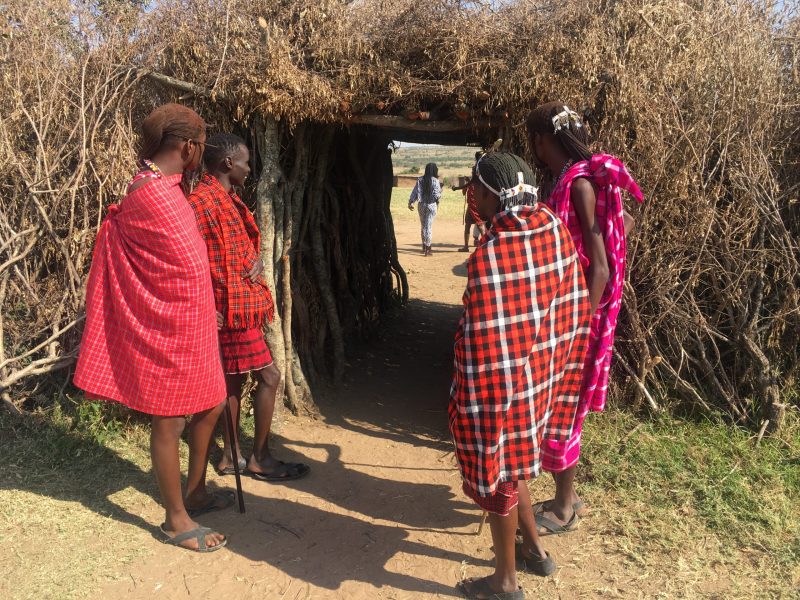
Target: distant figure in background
[(585, 193), (472, 219), (428, 191)]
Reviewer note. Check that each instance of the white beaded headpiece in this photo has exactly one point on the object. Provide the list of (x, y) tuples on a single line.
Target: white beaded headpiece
[(563, 119), (507, 194)]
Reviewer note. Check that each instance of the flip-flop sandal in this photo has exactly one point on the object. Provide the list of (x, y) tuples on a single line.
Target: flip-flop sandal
[(219, 500), (198, 533), (463, 249), (479, 589), (539, 507), (229, 470), (543, 567), (283, 472), (553, 528), (579, 507)]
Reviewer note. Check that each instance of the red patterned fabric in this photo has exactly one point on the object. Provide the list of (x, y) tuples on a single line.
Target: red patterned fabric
[(243, 350), (505, 497), (233, 243), (519, 348), (150, 339), (471, 216)]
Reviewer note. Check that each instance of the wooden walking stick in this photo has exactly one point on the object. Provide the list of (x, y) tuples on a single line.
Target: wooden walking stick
[(234, 453), (483, 522)]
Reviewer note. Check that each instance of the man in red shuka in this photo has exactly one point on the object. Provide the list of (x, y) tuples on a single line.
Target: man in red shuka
[(150, 339), (244, 303)]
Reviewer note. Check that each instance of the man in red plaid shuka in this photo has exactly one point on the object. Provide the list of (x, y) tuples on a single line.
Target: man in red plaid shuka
[(519, 353), (244, 303)]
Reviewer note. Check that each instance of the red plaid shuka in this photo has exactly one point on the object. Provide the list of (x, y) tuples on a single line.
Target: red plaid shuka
[(519, 348), (150, 339), (233, 242)]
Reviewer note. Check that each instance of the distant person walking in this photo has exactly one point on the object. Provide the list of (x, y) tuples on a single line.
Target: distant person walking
[(585, 193), (150, 340), (428, 192)]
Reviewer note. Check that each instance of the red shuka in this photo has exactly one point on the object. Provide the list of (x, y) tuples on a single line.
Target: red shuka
[(519, 348), (233, 243), (150, 340)]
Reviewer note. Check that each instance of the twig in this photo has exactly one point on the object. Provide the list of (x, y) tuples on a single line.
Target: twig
[(225, 49), (641, 386), (280, 526), (482, 523), (761, 431), (629, 435)]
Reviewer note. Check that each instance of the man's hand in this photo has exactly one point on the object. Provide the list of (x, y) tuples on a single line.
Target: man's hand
[(258, 268), (411, 207), (220, 320)]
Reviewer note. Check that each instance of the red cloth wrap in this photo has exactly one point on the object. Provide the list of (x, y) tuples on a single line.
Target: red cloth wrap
[(150, 339), (233, 242)]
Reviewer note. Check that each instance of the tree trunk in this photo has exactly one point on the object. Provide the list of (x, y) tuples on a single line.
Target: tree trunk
[(267, 135)]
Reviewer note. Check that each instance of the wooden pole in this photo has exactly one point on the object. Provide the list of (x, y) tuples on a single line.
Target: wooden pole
[(234, 453)]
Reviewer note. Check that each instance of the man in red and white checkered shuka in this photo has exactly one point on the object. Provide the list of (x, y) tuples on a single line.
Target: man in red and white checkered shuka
[(519, 352)]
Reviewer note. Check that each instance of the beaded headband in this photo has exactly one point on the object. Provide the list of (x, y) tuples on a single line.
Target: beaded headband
[(563, 119), (504, 193)]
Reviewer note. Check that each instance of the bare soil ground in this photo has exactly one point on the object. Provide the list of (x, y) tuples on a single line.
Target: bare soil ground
[(381, 515)]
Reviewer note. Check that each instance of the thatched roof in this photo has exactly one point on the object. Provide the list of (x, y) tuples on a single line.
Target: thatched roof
[(700, 97)]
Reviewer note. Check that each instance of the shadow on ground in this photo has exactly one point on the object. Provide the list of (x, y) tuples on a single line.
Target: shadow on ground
[(47, 458)]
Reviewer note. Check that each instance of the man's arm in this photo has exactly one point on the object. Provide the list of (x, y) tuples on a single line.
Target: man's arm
[(630, 222), (584, 200)]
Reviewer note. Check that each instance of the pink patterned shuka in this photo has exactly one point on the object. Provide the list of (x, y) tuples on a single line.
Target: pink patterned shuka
[(609, 176)]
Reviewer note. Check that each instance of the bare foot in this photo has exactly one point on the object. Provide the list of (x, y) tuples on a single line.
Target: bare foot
[(265, 466), (225, 465), (487, 587), (179, 526)]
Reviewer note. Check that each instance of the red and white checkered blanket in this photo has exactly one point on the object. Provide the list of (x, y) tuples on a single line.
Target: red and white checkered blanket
[(519, 348)]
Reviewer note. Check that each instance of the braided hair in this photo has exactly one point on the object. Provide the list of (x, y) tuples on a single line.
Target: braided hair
[(500, 173), (571, 134), (431, 171), (219, 147)]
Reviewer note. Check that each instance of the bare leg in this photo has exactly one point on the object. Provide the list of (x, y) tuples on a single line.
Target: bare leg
[(561, 508), (164, 437), (467, 227), (504, 578), (269, 379), (234, 384), (201, 428), (531, 542)]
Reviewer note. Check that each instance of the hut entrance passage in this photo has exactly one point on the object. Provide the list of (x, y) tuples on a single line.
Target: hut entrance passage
[(324, 206)]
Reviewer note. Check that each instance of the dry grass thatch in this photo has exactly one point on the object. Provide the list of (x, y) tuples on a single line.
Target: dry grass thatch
[(699, 97)]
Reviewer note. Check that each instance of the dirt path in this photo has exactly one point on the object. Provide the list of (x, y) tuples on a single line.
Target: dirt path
[(382, 514)]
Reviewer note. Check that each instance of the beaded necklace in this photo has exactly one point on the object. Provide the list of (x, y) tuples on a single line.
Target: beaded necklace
[(153, 167), (567, 165)]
